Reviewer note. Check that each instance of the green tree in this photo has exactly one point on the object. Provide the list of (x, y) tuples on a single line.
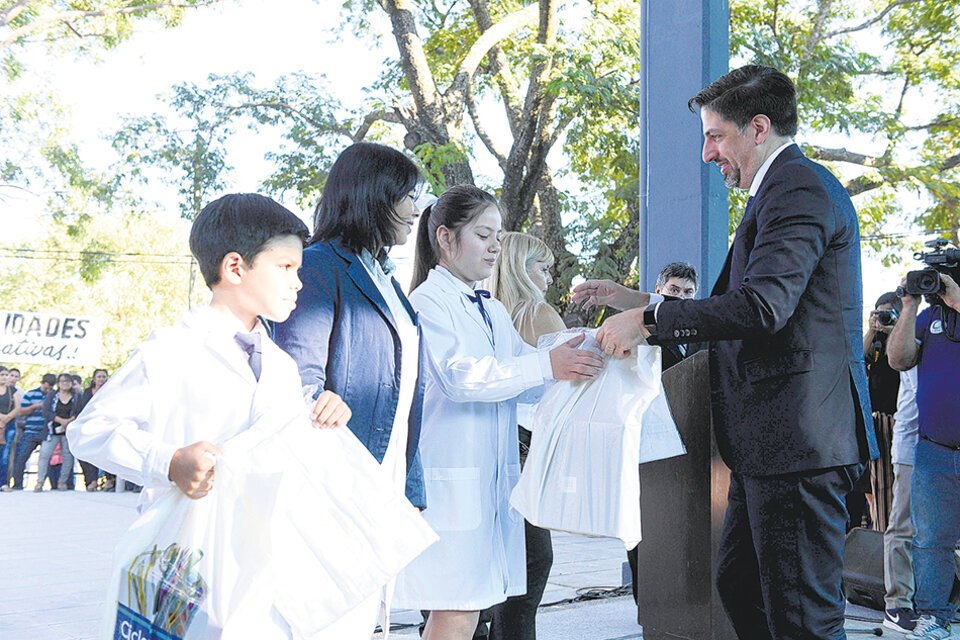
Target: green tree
[(886, 73)]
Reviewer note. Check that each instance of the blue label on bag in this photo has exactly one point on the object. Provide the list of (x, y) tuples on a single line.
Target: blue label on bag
[(132, 626)]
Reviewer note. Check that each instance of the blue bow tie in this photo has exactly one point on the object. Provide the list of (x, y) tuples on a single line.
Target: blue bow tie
[(480, 294)]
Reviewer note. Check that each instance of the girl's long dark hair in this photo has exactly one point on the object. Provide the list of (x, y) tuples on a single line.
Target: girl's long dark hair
[(360, 195), (455, 208)]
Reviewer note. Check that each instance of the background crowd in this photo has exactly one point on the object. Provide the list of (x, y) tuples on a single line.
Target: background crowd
[(34, 420)]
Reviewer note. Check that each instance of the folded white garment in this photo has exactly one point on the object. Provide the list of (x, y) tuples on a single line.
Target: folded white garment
[(302, 525), (588, 437)]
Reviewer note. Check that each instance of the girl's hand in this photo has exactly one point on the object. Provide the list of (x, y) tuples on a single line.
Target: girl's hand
[(570, 363), (330, 411)]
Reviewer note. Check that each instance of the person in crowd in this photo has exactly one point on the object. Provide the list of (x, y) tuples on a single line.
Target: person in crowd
[(898, 580), (479, 365), (875, 486), (520, 279), (930, 342), (677, 280), (60, 408), (353, 331), (34, 427), (9, 410), (14, 381), (90, 471), (791, 409)]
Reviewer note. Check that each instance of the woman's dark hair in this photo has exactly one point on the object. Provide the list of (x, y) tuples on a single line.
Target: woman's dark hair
[(363, 187), (455, 208), (94, 375)]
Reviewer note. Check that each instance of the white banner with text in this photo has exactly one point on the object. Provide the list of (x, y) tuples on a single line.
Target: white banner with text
[(49, 338)]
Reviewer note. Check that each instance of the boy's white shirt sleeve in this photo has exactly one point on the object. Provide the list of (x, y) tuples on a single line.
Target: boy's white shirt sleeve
[(465, 378), (113, 432)]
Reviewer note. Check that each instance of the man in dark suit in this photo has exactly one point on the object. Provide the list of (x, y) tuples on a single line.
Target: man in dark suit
[(791, 409)]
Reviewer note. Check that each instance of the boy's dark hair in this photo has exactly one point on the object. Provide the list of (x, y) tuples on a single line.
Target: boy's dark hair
[(241, 222), (50, 379), (12, 369), (748, 91), (364, 185), (683, 270), (454, 209)]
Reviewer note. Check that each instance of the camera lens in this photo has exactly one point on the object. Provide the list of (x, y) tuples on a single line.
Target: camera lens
[(929, 282)]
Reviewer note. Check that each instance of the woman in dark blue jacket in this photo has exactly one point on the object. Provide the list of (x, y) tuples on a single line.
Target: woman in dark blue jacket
[(353, 330)]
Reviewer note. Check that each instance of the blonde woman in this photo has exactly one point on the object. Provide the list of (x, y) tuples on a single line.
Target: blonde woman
[(519, 280)]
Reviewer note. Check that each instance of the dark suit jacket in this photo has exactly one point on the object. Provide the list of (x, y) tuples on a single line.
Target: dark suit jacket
[(343, 338), (788, 383)]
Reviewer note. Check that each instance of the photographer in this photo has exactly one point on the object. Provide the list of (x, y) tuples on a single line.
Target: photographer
[(884, 384), (931, 341)]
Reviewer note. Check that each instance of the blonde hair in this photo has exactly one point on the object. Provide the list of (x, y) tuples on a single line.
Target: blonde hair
[(510, 281)]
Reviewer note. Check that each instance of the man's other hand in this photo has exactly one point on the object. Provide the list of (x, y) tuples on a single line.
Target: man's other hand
[(620, 333)]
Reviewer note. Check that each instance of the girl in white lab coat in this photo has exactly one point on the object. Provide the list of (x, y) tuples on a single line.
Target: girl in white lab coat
[(479, 367)]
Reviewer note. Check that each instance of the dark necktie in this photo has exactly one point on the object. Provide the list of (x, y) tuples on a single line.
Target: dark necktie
[(480, 294), (250, 342), (746, 209)]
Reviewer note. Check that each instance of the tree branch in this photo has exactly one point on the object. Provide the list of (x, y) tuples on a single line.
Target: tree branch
[(482, 132), (456, 93), (65, 16), (500, 67), (816, 32), (15, 9), (872, 21), (936, 124), (843, 155)]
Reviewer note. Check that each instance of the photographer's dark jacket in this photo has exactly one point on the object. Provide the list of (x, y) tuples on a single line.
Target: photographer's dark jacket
[(788, 382), (884, 380)]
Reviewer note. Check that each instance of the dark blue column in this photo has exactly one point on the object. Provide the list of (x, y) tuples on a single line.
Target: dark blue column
[(683, 202)]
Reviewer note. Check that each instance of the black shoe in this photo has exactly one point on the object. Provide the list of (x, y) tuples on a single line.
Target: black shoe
[(902, 620)]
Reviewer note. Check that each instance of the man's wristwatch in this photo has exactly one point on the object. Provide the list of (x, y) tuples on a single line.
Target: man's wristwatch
[(650, 319)]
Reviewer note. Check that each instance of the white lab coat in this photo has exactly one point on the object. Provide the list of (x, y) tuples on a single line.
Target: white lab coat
[(192, 382), (469, 450)]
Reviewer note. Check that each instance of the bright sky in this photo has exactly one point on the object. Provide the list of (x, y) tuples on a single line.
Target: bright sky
[(269, 39)]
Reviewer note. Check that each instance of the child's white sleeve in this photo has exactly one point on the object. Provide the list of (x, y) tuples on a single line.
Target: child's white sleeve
[(464, 378), (113, 430)]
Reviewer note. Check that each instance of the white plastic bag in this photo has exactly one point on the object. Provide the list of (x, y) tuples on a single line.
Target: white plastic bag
[(301, 526), (581, 473)]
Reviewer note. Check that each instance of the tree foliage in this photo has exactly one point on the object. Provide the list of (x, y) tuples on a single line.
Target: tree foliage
[(885, 73)]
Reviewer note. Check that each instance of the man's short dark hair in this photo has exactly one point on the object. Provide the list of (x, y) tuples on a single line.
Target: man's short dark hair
[(749, 91), (891, 299), (241, 222), (49, 378), (360, 195), (12, 369), (683, 270)]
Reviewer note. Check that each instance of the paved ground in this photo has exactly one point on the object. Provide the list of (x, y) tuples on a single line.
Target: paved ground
[(58, 547)]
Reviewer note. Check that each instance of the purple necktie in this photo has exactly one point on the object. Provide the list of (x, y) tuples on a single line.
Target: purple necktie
[(250, 342)]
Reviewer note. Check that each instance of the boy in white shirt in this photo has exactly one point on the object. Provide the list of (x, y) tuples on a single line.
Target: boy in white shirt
[(193, 384)]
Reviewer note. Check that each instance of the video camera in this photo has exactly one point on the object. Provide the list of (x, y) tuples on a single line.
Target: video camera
[(927, 281)]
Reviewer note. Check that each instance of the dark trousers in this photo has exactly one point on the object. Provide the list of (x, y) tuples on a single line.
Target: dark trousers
[(781, 554), (516, 618), (29, 441), (90, 473)]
